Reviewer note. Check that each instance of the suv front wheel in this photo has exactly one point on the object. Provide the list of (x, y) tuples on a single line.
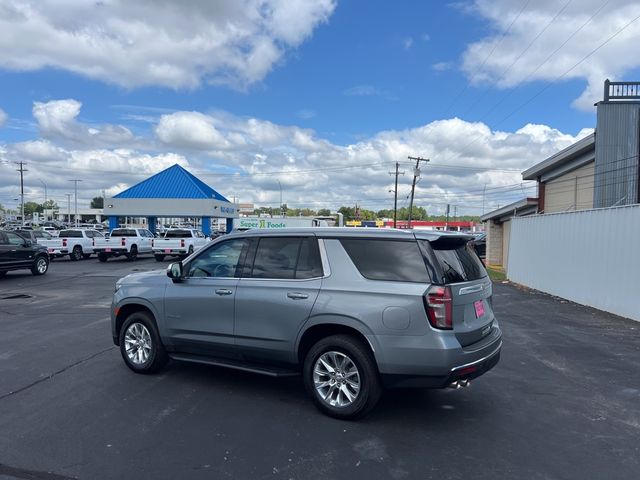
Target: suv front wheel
[(140, 344), (341, 376)]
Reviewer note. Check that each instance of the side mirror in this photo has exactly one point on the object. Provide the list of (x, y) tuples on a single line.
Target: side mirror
[(174, 272), (28, 243)]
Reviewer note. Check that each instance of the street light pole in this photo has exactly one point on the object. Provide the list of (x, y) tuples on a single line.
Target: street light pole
[(281, 204), (44, 205), (75, 181), (68, 207)]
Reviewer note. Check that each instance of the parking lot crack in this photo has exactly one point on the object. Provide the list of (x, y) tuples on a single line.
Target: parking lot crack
[(57, 372)]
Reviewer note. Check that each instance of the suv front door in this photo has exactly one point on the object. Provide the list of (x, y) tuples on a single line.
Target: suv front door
[(199, 310), (279, 285)]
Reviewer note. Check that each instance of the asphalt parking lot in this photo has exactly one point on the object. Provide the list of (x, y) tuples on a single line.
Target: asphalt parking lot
[(564, 402)]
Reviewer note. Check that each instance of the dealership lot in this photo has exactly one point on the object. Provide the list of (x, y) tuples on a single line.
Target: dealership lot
[(563, 402)]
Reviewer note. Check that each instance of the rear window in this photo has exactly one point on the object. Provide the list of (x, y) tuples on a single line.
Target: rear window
[(123, 232), (390, 260), (177, 234), (458, 260), (70, 234)]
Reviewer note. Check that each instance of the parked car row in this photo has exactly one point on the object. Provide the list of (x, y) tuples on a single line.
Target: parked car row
[(35, 249)]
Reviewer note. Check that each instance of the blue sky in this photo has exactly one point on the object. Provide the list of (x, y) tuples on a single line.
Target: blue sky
[(361, 81)]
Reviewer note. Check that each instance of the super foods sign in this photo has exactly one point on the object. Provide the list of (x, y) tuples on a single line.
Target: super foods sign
[(261, 223)]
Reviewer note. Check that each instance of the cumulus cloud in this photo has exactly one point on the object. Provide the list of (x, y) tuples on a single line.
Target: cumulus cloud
[(512, 55), (166, 43), (3, 118), (250, 158), (57, 119)]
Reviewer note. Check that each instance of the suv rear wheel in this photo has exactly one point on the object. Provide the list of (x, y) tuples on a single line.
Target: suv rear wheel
[(140, 344), (341, 377)]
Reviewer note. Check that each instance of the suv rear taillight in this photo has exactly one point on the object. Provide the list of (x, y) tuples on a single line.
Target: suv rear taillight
[(153, 243), (437, 303), (64, 242), (123, 241), (182, 243)]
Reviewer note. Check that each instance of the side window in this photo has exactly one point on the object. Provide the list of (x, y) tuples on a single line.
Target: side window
[(89, 233), (309, 262), (3, 239), (390, 260), (287, 258), (15, 239), (221, 260)]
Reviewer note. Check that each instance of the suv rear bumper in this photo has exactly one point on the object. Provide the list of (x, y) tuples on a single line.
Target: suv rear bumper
[(434, 361), (461, 372)]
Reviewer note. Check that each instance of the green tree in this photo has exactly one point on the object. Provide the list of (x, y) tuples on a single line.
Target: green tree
[(324, 212), (30, 207), (97, 202), (50, 205)]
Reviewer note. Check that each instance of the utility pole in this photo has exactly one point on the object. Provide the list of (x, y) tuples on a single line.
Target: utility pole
[(416, 174), (395, 196), (484, 191), (21, 170), (446, 222), (68, 207), (75, 182)]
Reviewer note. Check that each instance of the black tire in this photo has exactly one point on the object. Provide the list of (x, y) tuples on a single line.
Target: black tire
[(102, 257), (133, 253), (86, 256), (40, 265), (76, 253), (157, 355), (159, 258), (360, 355)]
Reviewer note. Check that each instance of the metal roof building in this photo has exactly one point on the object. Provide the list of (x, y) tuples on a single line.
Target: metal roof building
[(173, 192)]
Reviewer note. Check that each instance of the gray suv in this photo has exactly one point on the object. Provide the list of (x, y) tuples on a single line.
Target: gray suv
[(351, 310)]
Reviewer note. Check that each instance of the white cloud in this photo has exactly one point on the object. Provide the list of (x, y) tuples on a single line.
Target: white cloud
[(246, 157), (57, 119), (3, 118), (442, 66), (505, 69), (407, 43), (191, 130), (306, 113), (166, 43)]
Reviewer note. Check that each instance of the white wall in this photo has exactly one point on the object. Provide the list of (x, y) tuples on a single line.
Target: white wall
[(590, 257)]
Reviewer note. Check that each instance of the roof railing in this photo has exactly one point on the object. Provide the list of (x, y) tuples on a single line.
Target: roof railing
[(621, 90)]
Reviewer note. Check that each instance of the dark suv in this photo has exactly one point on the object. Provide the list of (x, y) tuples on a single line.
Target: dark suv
[(18, 253), (351, 310)]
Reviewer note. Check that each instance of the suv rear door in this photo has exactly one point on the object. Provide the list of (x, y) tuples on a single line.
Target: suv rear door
[(459, 268), (279, 285)]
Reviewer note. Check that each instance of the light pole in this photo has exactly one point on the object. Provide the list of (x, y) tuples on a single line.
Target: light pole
[(75, 182), (68, 207), (44, 205), (281, 204)]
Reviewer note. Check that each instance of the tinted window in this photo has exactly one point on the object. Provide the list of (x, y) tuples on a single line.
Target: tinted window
[(221, 260), (122, 232), (3, 238), (390, 260), (71, 234), (276, 257), (458, 260), (309, 264), (177, 234)]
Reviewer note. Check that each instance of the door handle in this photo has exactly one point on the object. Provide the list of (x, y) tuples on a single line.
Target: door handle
[(297, 296), (223, 291)]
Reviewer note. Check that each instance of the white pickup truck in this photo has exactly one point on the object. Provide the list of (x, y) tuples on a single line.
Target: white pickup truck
[(129, 242), (75, 242), (179, 242)]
